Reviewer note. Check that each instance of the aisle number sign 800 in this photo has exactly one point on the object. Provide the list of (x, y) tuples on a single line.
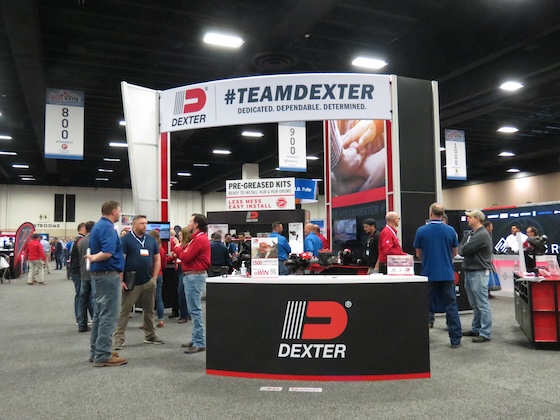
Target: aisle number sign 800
[(64, 132)]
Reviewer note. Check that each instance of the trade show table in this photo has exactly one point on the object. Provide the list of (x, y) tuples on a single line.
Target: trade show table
[(316, 327)]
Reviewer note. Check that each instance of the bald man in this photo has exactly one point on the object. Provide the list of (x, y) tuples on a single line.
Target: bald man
[(312, 242), (389, 243)]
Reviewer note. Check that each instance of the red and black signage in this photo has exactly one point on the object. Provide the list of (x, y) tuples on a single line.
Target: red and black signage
[(318, 331)]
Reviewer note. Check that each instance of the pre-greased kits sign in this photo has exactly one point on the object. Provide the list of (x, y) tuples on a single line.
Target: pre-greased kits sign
[(274, 99), (261, 194)]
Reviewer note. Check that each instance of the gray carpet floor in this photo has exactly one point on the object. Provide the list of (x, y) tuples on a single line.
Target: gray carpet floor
[(45, 374)]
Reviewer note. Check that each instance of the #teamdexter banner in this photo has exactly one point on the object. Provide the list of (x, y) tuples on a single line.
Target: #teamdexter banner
[(305, 97)]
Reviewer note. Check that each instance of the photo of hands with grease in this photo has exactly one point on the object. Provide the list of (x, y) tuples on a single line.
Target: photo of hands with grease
[(358, 157)]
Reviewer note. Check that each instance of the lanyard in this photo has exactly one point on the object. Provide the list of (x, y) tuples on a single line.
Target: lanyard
[(141, 242), (394, 234)]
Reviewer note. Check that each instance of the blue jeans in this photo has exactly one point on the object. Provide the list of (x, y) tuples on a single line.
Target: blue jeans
[(476, 285), (445, 290), (107, 292), (86, 304), (183, 308), (159, 298), (282, 269), (77, 279), (194, 288)]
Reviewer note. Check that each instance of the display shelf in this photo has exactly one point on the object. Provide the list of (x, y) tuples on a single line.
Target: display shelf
[(543, 296), (545, 327)]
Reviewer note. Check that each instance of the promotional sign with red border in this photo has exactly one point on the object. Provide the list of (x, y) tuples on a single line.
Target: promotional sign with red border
[(261, 194)]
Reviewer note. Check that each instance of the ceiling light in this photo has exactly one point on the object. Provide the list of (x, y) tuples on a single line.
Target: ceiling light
[(105, 170), (204, 165), (8, 153), (221, 152), (5, 137), (442, 149), (20, 166), (173, 182), (28, 179), (508, 129), (183, 174), (118, 144), (122, 123), (513, 170), (312, 158), (223, 40), (506, 154), (277, 169), (26, 176), (317, 180), (511, 86), (252, 134), (102, 179), (370, 63), (111, 159)]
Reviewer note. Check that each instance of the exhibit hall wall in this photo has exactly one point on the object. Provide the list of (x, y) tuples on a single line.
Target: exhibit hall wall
[(35, 204)]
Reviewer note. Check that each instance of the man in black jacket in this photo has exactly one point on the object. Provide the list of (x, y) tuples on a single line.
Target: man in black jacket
[(219, 256), (74, 267), (371, 252)]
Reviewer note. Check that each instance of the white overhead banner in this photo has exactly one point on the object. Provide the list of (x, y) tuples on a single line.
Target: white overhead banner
[(455, 154), (261, 194), (64, 124), (292, 147), (262, 99)]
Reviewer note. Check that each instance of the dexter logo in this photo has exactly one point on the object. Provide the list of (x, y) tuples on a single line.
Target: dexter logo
[(195, 99), (252, 217), (314, 320)]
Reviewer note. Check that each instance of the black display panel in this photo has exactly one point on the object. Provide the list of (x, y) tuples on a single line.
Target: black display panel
[(162, 227)]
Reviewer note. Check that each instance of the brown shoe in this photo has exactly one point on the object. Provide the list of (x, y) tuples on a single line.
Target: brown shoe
[(113, 354), (113, 361), (194, 349), (182, 321), (187, 345), (160, 324)]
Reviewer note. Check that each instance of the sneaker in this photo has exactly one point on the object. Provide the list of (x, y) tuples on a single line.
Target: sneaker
[(84, 329), (117, 346), (480, 339), (455, 346), (195, 349), (470, 333), (113, 361), (153, 340)]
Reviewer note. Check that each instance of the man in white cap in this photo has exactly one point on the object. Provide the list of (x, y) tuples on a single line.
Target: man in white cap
[(476, 248)]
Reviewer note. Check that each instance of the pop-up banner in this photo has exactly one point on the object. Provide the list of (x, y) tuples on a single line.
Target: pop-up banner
[(276, 98), (261, 194)]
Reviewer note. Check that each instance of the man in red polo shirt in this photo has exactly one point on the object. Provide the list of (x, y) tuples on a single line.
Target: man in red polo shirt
[(389, 243), (195, 260), (36, 259)]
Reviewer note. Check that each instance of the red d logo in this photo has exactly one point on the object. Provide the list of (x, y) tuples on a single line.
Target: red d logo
[(337, 320), (195, 99)]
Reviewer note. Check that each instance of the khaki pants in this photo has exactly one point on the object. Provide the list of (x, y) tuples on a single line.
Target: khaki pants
[(145, 295), (35, 270)]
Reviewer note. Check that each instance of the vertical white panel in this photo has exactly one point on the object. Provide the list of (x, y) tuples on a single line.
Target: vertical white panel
[(437, 144), (141, 113)]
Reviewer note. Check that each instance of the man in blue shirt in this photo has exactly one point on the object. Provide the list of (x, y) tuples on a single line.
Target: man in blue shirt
[(436, 244), (220, 257), (284, 248), (142, 261), (312, 242), (107, 263)]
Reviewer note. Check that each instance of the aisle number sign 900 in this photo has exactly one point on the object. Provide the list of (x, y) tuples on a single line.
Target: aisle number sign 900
[(64, 126)]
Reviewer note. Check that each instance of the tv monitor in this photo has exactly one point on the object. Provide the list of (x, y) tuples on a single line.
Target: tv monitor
[(44, 236), (162, 227), (345, 231)]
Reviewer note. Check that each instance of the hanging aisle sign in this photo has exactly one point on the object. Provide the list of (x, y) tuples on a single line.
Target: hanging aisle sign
[(261, 194), (261, 99), (64, 124), (292, 150), (455, 154)]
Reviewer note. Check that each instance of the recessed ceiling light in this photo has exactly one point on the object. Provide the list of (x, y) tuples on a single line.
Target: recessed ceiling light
[(111, 159), (506, 154), (28, 179), (312, 158), (204, 165), (370, 63), (223, 40), (8, 153), (102, 179), (118, 144), (252, 134), (513, 170), (221, 152), (105, 170), (122, 123), (183, 174), (511, 86), (26, 176), (20, 166), (508, 129), (173, 182), (5, 137)]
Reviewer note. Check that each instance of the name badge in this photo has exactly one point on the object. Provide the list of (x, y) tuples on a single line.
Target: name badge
[(144, 252), (367, 252)]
